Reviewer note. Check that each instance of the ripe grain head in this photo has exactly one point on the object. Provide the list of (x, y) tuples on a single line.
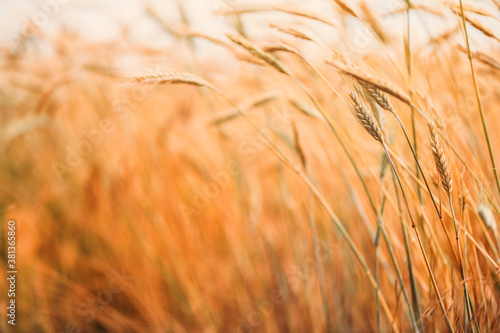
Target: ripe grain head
[(365, 117), (259, 53), (440, 159)]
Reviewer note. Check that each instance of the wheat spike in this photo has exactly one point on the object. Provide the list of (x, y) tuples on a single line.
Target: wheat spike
[(377, 95), (365, 117), (471, 9), (421, 7), (171, 78), (440, 159), (497, 2), (237, 9), (475, 23), (281, 48), (251, 59), (374, 22), (378, 113), (258, 52), (346, 8), (487, 216), (290, 31), (360, 75), (298, 146), (481, 57)]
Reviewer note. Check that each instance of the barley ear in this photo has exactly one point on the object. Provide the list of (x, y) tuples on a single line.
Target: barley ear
[(258, 52), (377, 95), (365, 117)]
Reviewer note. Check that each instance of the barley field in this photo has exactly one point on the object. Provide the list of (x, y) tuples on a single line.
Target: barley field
[(315, 166)]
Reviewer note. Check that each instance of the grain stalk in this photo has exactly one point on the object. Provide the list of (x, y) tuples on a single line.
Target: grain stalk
[(478, 98), (446, 181), (413, 150), (386, 86), (271, 60), (411, 274), (380, 228), (314, 233), (366, 119), (183, 78), (383, 101), (266, 56), (413, 317)]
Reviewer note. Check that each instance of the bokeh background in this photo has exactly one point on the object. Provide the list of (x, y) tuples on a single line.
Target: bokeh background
[(157, 208)]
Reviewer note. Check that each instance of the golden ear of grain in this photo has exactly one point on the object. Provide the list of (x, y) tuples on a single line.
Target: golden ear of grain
[(497, 2), (430, 10), (374, 22), (251, 59), (171, 78), (470, 8), (258, 52), (475, 23), (298, 146), (377, 95), (487, 216), (240, 8), (360, 75), (346, 8), (440, 159), (481, 57), (377, 112), (261, 99), (280, 48), (365, 118), (290, 31)]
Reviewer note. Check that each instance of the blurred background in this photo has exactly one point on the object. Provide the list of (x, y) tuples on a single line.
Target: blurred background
[(157, 208), (108, 21)]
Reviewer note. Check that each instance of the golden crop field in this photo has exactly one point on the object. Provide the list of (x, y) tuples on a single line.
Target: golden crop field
[(317, 171)]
